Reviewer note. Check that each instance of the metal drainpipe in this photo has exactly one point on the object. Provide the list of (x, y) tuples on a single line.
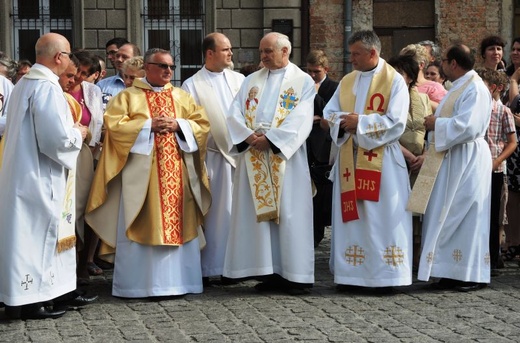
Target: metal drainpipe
[(347, 66)]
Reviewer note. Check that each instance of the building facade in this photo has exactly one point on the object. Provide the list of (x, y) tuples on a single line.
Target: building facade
[(180, 25)]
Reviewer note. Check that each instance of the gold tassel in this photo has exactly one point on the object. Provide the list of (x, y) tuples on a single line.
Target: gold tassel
[(264, 217), (66, 243)]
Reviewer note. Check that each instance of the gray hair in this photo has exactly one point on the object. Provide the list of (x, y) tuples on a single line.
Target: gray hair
[(11, 66), (436, 50), (282, 41), (150, 52), (368, 38)]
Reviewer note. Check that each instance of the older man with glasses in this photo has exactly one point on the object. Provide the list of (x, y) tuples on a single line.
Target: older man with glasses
[(37, 241), (151, 191)]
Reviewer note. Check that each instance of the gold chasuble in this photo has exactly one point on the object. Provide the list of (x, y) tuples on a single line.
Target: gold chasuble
[(166, 193), (265, 169), (423, 186), (362, 180)]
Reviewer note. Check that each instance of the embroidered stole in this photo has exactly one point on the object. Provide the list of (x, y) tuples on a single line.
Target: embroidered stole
[(66, 227), (423, 186), (265, 169), (169, 169), (362, 180), (216, 115)]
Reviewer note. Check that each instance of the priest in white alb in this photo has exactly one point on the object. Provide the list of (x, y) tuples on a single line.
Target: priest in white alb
[(456, 219), (214, 87), (371, 229), (40, 147), (271, 231)]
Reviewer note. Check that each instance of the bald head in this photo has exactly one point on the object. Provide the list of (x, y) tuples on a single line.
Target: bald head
[(50, 44), (218, 52), (52, 51)]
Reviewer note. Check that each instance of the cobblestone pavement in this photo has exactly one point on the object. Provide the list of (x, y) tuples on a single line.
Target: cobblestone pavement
[(238, 313)]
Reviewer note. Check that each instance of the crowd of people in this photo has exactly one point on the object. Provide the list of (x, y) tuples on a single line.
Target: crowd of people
[(233, 177)]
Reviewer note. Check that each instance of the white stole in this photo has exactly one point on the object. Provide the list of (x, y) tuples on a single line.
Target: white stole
[(264, 168)]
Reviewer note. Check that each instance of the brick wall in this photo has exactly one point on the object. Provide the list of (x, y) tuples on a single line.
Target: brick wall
[(327, 32), (468, 21)]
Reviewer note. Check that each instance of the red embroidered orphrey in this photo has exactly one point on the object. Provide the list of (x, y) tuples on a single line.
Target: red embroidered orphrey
[(347, 174), (370, 155), (380, 108)]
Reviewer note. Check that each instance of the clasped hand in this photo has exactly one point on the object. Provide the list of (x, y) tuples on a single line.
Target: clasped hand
[(258, 141), (164, 125), (349, 122)]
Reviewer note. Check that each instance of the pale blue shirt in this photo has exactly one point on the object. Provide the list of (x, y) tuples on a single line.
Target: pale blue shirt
[(110, 87)]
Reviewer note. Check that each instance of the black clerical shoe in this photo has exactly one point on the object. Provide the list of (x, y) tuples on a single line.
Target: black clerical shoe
[(445, 283), (82, 300), (33, 311), (42, 312), (73, 303), (267, 286), (225, 281), (470, 286)]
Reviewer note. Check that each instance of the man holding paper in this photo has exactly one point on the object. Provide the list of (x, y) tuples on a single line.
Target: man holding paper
[(371, 229)]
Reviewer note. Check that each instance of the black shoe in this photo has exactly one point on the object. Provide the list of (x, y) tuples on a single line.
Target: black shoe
[(296, 288), (297, 291), (470, 286), (267, 286), (383, 290), (42, 312), (103, 264), (225, 281), (74, 303), (32, 311), (444, 284)]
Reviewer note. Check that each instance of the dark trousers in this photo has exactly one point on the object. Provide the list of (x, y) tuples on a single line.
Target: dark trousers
[(322, 211), (497, 182)]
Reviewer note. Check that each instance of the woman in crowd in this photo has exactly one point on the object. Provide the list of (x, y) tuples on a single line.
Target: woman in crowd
[(492, 51), (434, 90)]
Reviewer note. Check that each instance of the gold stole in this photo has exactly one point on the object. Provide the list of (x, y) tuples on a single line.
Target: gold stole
[(169, 169), (423, 186), (265, 169), (66, 227), (363, 180)]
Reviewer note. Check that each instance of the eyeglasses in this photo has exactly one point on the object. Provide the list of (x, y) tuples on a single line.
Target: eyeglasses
[(66, 53), (164, 65)]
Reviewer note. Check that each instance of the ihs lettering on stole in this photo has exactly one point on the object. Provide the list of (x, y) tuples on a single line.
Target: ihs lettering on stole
[(376, 130), (348, 205), (366, 185)]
